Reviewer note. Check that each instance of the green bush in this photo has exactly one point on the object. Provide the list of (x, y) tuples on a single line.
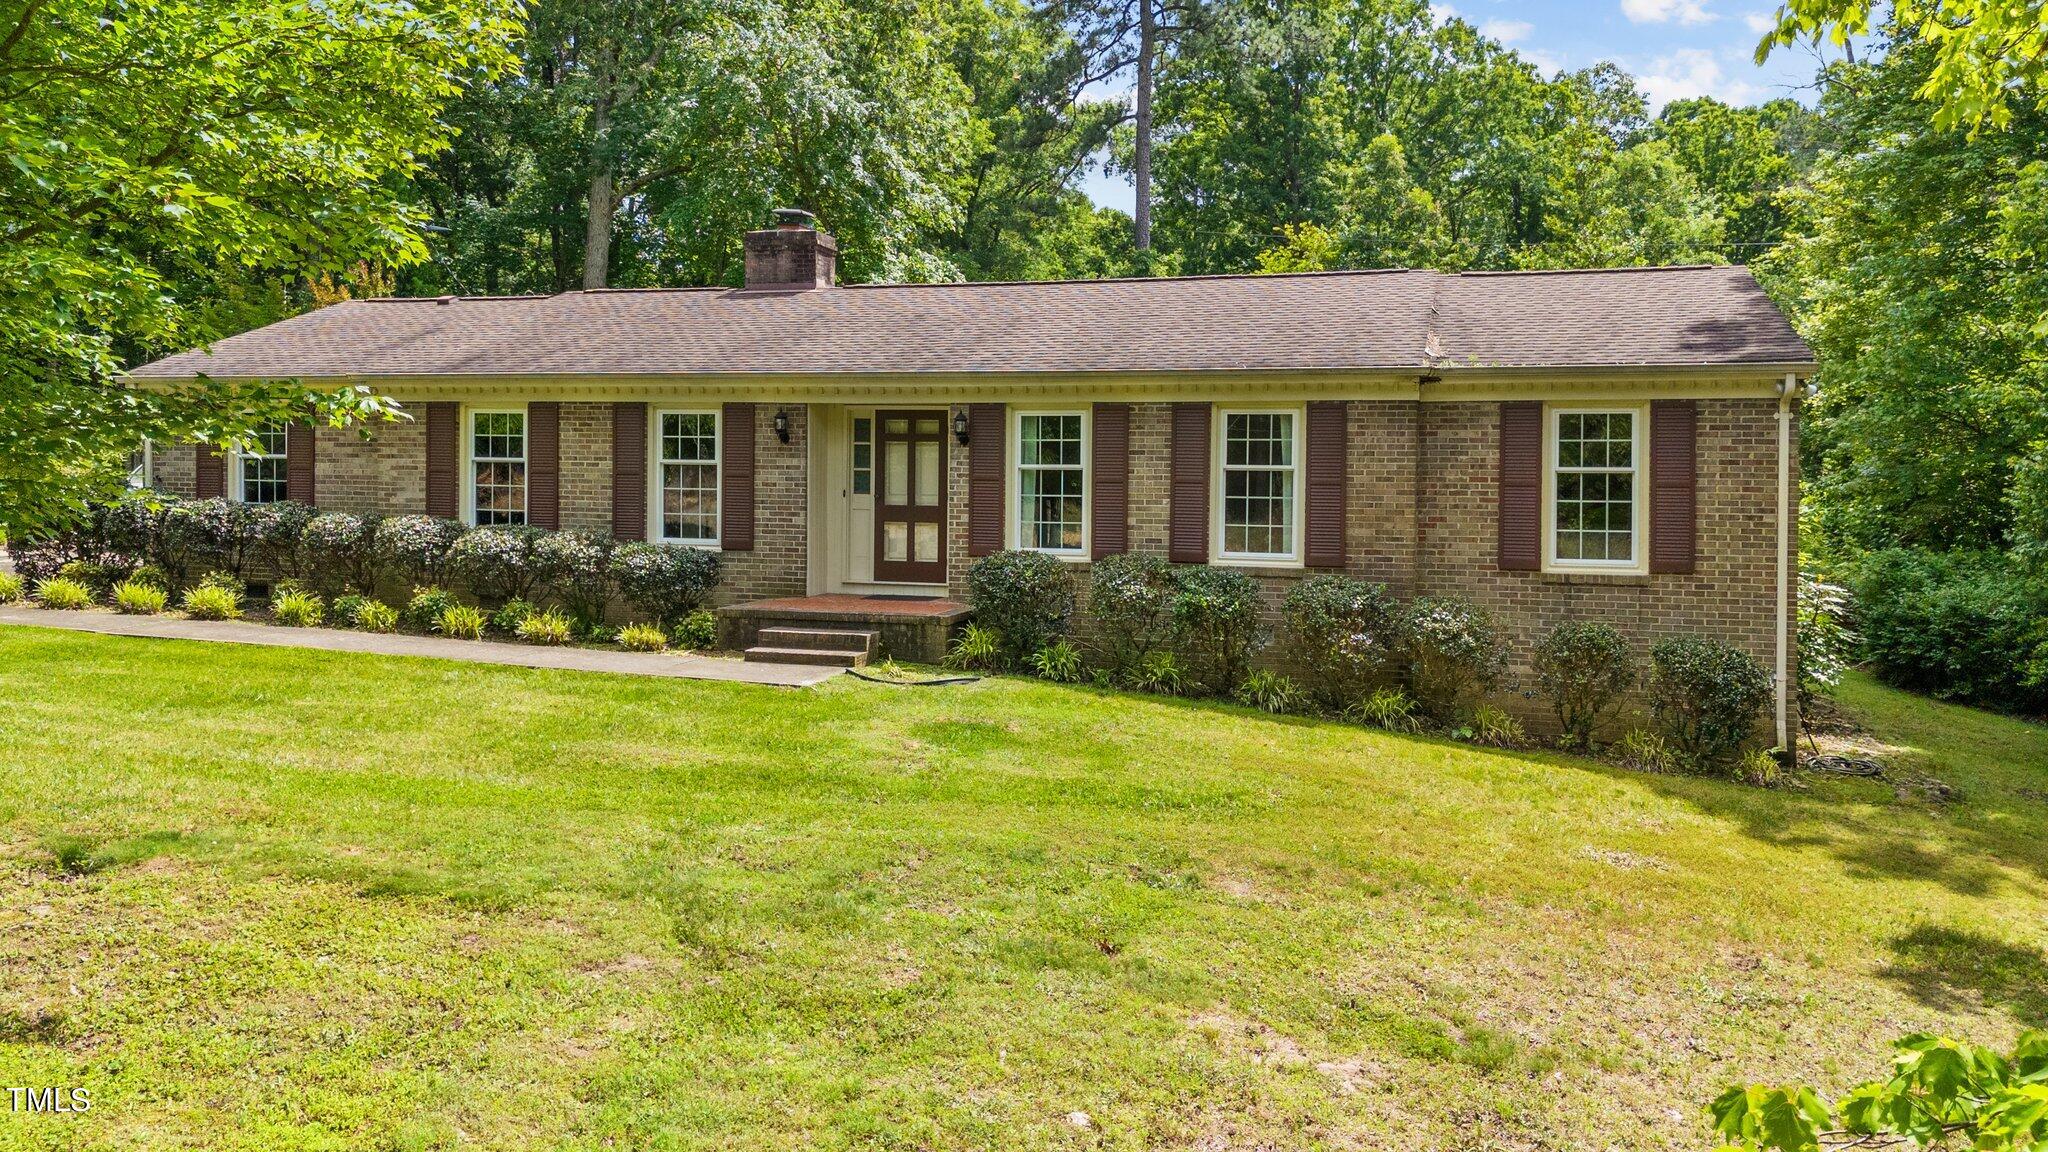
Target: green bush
[(211, 533), (98, 577), (151, 575), (698, 632), (1455, 656), (1271, 692), (1645, 751), (376, 616), (549, 627), (212, 602), (975, 646), (296, 608), (1026, 598), (279, 532), (1059, 662), (664, 581), (424, 611), (226, 582), (1826, 642), (135, 599), (62, 592), (416, 547), (1346, 635), (575, 568), (461, 622), (1965, 626), (1130, 606), (508, 618), (497, 562), (1585, 669), (1160, 671), (1216, 628), (1706, 697), (346, 609), (642, 638), (1389, 708), (10, 587), (341, 547)]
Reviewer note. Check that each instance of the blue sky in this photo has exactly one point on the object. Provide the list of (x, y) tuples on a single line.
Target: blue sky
[(1675, 49)]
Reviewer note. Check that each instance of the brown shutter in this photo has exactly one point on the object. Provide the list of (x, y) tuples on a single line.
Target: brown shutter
[(629, 471), (1188, 517), (443, 497), (1109, 473), (209, 473), (544, 464), (985, 434), (1521, 485), (1674, 485), (1326, 461), (298, 463), (736, 488)]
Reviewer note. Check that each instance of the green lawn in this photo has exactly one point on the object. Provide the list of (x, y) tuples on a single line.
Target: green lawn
[(266, 899)]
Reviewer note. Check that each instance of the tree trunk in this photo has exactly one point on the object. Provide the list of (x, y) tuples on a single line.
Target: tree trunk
[(1141, 171), (597, 232)]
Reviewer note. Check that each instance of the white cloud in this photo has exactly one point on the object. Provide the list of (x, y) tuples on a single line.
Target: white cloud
[(1665, 11), (1506, 31), (1545, 63), (1442, 13), (1691, 72), (1760, 22)]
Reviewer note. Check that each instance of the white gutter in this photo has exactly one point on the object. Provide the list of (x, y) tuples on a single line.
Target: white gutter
[(1783, 701)]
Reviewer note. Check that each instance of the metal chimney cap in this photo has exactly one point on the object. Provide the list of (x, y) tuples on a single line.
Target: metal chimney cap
[(795, 218)]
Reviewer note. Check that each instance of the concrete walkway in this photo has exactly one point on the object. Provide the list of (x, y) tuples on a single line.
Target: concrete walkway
[(435, 647)]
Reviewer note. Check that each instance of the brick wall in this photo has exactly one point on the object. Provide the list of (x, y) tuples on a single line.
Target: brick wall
[(586, 458), (779, 563), (384, 475)]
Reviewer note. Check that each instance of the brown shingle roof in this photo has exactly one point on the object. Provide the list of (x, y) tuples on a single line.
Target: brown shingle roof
[(1390, 320)]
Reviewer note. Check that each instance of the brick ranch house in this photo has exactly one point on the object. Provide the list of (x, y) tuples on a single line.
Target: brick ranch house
[(1615, 445)]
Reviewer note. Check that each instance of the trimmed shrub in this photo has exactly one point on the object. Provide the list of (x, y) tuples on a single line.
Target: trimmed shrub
[(1346, 634), (62, 592), (132, 523), (211, 533), (376, 616), (1271, 692), (975, 646), (497, 562), (1585, 669), (151, 575), (1705, 697), (575, 569), (296, 609), (1026, 598), (280, 535), (135, 599), (416, 547), (642, 638), (1059, 662), (1130, 602), (664, 581), (549, 627), (212, 602), (1965, 626), (424, 611), (226, 582), (698, 632), (1455, 656), (10, 587), (515, 612), (341, 548), (1216, 628), (461, 622)]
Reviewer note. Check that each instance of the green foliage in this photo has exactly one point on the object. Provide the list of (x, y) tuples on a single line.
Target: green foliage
[(151, 575), (1027, 598), (1986, 55), (1706, 697), (1826, 642), (1216, 630), (975, 646), (376, 616), (1059, 662), (279, 531), (135, 599), (1940, 1093), (1346, 634), (97, 577), (698, 632), (341, 548), (1130, 608), (642, 638), (1495, 727), (1758, 769), (549, 627), (10, 587), (575, 569), (665, 581), (297, 609), (212, 602), (424, 611), (1455, 655), (212, 533), (1966, 626), (511, 615), (345, 609), (62, 592), (1271, 692), (416, 548), (1584, 668), (1160, 671), (497, 562), (461, 622), (1389, 708), (1645, 751)]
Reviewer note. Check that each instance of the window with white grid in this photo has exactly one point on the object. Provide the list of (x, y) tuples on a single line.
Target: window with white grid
[(260, 467), (1258, 485), (1052, 481), (688, 468), (1595, 485), (497, 460)]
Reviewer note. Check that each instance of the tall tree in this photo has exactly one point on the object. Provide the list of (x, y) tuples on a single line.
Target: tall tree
[(1987, 55), (1136, 36)]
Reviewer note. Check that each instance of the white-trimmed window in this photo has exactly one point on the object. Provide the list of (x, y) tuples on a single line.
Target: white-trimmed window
[(686, 471), (497, 467), (863, 455), (142, 466), (1260, 502), (1052, 482), (260, 467), (1596, 488)]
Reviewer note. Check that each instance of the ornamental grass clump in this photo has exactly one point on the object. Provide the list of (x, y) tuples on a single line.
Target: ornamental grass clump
[(975, 647), (461, 622), (212, 601), (1585, 669), (63, 593), (10, 587), (1346, 634), (297, 608), (642, 638), (132, 598), (1271, 692), (549, 627), (1059, 662), (376, 616)]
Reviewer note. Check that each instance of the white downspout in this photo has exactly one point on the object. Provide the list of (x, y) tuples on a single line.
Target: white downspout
[(1785, 394)]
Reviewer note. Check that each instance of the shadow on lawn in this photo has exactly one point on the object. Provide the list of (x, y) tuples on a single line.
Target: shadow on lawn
[(1936, 966)]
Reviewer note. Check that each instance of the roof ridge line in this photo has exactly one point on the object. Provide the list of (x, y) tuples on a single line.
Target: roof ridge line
[(1600, 271), (1328, 272)]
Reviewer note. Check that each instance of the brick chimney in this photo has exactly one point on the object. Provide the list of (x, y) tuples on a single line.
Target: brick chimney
[(793, 255)]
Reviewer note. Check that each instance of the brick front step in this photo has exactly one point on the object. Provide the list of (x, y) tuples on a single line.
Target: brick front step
[(819, 657), (863, 641)]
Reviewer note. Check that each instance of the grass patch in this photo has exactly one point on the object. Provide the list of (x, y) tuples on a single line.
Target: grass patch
[(267, 898)]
